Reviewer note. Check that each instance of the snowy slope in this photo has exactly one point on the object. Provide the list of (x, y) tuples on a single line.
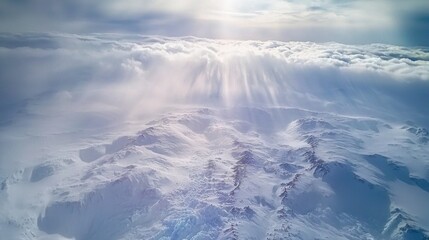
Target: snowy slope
[(266, 140), (207, 174)]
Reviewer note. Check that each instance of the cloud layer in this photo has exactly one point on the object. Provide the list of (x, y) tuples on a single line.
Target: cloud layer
[(125, 73)]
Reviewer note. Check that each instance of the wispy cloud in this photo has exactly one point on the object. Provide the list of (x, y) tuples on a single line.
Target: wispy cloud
[(327, 20)]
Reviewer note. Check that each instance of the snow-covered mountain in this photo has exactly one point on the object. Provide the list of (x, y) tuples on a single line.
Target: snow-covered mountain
[(185, 138)]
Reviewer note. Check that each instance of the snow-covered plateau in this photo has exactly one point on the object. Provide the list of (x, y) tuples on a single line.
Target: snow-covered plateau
[(147, 137)]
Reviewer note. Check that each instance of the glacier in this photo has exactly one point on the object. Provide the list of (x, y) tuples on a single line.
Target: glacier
[(147, 137)]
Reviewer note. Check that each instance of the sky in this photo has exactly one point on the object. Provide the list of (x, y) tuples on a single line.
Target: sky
[(347, 21)]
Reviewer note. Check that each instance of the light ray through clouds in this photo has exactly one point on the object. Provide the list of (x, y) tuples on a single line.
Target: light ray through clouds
[(107, 73)]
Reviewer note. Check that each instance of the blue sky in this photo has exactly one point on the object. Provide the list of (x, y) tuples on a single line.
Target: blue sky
[(348, 21)]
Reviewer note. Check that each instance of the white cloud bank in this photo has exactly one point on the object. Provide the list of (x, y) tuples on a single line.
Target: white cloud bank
[(192, 70)]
